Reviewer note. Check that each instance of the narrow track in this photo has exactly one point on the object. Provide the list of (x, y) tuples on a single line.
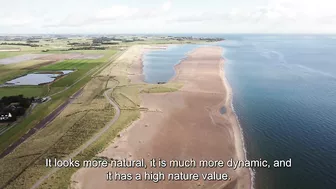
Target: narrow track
[(89, 142)]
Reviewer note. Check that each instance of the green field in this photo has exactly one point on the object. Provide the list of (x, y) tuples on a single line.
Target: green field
[(28, 91), (58, 138), (66, 134), (10, 54), (78, 122), (76, 80), (11, 71)]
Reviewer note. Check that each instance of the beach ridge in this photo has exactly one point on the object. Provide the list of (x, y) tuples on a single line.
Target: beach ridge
[(181, 125)]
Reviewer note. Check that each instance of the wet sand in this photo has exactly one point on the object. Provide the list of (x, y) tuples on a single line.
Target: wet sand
[(181, 125)]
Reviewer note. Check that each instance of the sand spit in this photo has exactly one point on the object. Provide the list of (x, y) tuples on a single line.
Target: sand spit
[(180, 125)]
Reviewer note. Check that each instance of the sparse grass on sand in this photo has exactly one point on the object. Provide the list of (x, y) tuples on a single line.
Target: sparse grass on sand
[(127, 97), (162, 88), (76, 124)]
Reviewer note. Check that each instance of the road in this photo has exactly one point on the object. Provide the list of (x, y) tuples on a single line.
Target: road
[(89, 142)]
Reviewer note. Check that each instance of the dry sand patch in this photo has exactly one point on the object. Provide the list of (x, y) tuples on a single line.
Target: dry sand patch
[(22, 58), (180, 125)]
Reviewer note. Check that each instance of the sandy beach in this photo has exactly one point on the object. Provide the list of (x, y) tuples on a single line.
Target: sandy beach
[(181, 125)]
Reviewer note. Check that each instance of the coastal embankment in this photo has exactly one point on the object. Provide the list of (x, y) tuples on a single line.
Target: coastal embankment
[(181, 125)]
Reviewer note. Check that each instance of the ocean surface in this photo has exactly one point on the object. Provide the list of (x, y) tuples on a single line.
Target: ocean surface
[(284, 94)]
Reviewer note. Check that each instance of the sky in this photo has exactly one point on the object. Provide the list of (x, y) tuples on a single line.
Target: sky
[(166, 16)]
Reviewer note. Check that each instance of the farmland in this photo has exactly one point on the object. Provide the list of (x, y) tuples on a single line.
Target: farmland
[(95, 71), (77, 123), (61, 89)]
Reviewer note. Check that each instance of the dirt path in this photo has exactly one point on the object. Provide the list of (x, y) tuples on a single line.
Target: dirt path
[(89, 142)]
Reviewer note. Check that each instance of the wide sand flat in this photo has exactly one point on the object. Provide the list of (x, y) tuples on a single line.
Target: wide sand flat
[(180, 125)]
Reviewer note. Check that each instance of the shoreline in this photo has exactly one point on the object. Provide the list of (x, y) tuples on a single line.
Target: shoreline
[(238, 131), (169, 130), (140, 71)]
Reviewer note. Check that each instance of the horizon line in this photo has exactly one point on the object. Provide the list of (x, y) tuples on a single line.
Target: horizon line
[(173, 33)]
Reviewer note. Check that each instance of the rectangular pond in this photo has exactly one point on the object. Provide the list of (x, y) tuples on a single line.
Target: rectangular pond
[(38, 78)]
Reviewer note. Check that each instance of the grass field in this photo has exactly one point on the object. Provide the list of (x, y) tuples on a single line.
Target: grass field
[(28, 91), (10, 54), (82, 67), (11, 71), (30, 64), (75, 125)]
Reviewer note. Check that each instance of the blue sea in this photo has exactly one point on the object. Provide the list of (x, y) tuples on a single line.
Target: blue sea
[(284, 94)]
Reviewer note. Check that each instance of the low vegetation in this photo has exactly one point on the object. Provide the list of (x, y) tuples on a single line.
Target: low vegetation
[(80, 120), (77, 123), (128, 98), (21, 44), (28, 91), (11, 71), (168, 87), (72, 82)]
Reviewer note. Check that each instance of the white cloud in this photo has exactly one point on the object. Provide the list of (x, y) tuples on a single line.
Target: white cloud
[(268, 16), (276, 12), (167, 6), (18, 20), (113, 14), (117, 11)]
